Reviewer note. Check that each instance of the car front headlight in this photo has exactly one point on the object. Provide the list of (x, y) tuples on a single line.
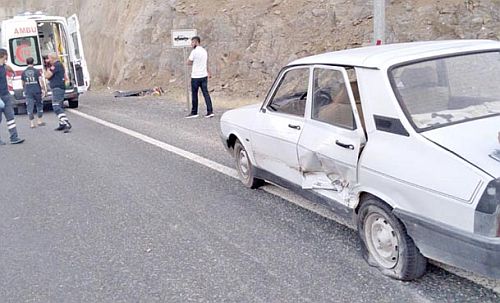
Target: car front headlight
[(487, 217)]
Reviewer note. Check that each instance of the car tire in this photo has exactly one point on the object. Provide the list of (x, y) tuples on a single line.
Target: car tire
[(73, 103), (246, 170), (385, 243)]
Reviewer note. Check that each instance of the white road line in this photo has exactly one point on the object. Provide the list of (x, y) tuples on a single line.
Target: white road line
[(274, 190), (170, 148)]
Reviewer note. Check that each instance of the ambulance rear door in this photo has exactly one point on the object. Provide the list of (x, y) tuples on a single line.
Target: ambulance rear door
[(78, 56)]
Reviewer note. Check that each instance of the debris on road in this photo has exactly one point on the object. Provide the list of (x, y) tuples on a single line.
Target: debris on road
[(155, 91)]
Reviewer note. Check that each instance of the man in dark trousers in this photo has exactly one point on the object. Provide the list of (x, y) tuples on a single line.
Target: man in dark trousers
[(199, 77), (56, 75), (6, 103), (33, 93)]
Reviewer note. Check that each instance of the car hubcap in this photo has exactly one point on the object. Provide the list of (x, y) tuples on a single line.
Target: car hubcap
[(244, 164), (382, 240)]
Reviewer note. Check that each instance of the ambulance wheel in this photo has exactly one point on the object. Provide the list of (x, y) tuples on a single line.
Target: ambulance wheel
[(73, 103), (385, 243), (20, 109)]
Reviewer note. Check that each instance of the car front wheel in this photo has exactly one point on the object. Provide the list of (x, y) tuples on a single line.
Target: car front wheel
[(386, 245), (246, 171)]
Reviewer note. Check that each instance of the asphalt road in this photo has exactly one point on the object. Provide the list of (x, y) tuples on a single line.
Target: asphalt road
[(98, 216)]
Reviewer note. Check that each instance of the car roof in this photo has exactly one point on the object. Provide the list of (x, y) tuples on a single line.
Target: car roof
[(383, 56)]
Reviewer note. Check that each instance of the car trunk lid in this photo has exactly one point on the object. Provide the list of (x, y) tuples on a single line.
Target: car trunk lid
[(475, 141)]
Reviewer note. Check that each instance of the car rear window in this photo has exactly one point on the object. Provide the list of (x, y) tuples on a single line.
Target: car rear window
[(449, 90)]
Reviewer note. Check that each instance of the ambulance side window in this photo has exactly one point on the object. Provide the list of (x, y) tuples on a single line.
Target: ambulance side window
[(23, 48)]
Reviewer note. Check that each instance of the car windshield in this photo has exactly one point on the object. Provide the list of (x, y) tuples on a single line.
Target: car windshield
[(444, 91)]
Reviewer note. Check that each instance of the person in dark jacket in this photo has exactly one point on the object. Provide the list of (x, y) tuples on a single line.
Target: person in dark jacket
[(56, 75), (33, 92), (6, 106)]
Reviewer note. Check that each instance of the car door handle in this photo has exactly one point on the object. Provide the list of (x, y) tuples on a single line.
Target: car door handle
[(297, 127), (348, 146)]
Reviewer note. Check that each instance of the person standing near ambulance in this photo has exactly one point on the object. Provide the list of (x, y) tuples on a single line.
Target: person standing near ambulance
[(56, 75), (199, 77), (33, 93), (6, 104)]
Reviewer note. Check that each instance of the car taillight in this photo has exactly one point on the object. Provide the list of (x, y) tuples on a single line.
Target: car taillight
[(487, 217)]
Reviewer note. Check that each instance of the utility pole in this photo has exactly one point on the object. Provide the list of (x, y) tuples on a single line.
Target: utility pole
[(379, 21)]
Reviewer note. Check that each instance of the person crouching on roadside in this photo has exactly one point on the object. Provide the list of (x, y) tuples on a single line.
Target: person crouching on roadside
[(57, 76), (7, 109), (33, 91)]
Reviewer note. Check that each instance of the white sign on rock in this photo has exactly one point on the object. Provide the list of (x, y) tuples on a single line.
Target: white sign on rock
[(182, 37)]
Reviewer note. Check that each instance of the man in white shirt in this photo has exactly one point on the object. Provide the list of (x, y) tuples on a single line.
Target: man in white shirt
[(199, 77)]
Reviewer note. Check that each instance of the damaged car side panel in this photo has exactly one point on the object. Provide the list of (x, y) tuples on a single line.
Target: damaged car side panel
[(332, 138)]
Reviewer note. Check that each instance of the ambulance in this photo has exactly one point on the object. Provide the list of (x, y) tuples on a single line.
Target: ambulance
[(37, 35)]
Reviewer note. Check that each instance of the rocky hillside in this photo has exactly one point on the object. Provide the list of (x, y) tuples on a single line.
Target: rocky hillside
[(127, 42)]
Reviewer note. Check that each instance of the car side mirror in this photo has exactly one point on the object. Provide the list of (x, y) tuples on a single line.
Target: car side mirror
[(263, 110)]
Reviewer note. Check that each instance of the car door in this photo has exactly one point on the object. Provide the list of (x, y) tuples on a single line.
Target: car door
[(77, 54), (279, 123), (333, 134)]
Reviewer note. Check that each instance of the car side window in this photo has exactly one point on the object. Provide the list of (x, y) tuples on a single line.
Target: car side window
[(291, 95), (331, 103)]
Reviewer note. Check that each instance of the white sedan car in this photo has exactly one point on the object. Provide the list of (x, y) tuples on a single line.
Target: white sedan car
[(400, 140)]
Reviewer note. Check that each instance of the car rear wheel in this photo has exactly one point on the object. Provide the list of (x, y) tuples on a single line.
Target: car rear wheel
[(386, 245), (246, 171)]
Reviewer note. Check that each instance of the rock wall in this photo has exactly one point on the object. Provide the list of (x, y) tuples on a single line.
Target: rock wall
[(127, 42)]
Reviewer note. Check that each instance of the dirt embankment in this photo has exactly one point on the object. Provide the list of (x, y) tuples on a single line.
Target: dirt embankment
[(127, 42)]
